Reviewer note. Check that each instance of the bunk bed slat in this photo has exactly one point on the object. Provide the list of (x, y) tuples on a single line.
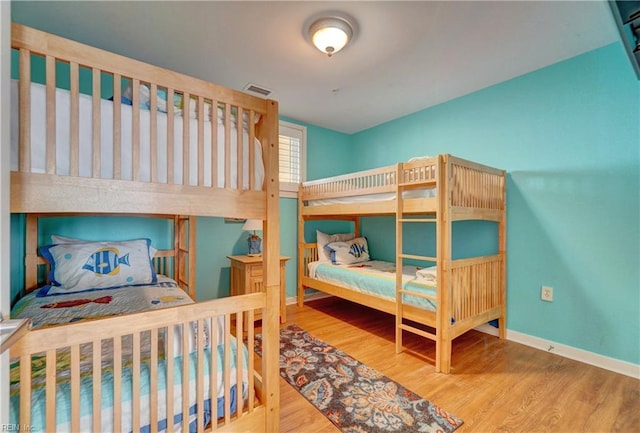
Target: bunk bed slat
[(117, 126), (96, 123), (200, 375), (97, 384), (24, 97), (185, 376), (213, 378), (170, 141), (75, 387), (170, 372), (51, 113), (117, 383), (186, 151), (51, 387), (153, 372), (227, 373), (153, 131), (74, 138)]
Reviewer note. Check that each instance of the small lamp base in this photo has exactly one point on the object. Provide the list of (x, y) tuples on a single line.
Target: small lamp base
[(254, 245)]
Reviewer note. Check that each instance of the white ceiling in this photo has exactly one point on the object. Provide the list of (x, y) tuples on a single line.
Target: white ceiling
[(407, 56)]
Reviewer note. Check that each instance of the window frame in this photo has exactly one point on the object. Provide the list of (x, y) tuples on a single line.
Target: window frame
[(289, 189)]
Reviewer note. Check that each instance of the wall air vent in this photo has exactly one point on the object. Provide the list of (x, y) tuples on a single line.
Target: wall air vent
[(256, 89)]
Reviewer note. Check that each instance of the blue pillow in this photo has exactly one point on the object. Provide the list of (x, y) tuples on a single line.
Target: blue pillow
[(83, 266)]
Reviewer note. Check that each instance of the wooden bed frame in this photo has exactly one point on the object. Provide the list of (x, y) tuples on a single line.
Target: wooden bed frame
[(50, 193), (471, 290)]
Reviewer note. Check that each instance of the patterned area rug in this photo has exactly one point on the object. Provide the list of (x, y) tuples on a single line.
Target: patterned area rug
[(356, 398)]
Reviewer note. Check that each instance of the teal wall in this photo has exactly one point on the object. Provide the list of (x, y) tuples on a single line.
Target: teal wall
[(568, 136)]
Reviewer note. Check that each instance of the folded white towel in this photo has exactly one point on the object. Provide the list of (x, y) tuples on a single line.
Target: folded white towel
[(428, 274)]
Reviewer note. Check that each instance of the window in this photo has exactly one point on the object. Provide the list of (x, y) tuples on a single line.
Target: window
[(293, 143)]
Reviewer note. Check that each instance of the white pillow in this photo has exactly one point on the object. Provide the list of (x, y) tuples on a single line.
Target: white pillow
[(82, 266), (323, 239), (348, 252), (57, 239)]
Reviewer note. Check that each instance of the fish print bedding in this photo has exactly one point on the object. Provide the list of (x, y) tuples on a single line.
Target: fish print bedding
[(72, 307)]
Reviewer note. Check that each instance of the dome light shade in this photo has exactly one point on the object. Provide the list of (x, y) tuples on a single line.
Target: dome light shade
[(331, 34)]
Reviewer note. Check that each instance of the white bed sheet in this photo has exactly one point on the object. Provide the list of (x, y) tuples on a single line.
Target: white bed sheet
[(38, 142), (384, 196)]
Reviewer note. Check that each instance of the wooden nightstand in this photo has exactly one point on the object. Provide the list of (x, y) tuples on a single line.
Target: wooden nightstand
[(246, 277)]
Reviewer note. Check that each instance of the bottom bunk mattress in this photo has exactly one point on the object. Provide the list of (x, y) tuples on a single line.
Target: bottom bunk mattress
[(52, 310), (47, 310), (375, 277), (63, 391)]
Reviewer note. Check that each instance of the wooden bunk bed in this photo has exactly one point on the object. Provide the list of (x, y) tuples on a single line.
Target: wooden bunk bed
[(191, 149), (435, 190)]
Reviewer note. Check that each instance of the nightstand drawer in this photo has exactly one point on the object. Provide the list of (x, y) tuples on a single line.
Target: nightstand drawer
[(256, 271)]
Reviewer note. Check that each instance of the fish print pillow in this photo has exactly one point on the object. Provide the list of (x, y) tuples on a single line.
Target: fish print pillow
[(348, 252), (82, 266)]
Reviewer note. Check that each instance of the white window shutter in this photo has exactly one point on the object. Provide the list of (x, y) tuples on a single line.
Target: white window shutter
[(292, 144)]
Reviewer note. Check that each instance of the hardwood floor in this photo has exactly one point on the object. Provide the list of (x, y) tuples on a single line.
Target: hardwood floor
[(495, 385)]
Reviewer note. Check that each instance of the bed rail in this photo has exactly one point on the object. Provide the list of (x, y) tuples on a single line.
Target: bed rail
[(476, 291), (79, 363), (477, 191), (177, 135), (373, 181)]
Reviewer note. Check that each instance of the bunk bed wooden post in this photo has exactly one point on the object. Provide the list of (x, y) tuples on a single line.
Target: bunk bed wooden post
[(356, 226), (185, 245), (399, 258), (444, 228), (502, 245), (31, 253), (271, 252), (302, 263)]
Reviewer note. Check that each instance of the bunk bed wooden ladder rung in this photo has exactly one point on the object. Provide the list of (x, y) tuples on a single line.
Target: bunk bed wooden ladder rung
[(417, 294), (418, 331)]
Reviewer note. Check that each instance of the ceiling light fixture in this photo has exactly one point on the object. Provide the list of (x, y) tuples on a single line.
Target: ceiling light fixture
[(331, 34)]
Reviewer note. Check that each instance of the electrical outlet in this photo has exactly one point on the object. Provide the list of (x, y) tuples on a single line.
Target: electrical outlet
[(546, 293)]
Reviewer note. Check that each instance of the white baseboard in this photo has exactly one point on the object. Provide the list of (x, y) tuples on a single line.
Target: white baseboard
[(597, 360), (611, 364)]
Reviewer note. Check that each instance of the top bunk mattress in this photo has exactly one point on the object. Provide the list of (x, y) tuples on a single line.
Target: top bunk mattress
[(38, 132)]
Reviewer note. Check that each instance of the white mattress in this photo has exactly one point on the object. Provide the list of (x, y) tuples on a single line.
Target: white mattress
[(38, 142), (384, 196)]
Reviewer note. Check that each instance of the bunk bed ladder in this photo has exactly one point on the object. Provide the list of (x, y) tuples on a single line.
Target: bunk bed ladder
[(401, 256), (184, 243)]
